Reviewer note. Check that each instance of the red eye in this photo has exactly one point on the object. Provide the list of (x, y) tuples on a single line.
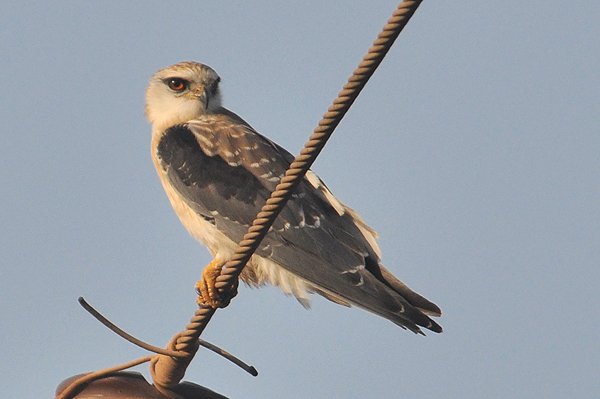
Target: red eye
[(177, 84)]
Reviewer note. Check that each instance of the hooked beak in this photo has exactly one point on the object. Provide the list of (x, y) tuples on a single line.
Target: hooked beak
[(201, 95)]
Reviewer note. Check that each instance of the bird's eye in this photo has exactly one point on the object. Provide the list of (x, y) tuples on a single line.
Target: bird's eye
[(177, 84)]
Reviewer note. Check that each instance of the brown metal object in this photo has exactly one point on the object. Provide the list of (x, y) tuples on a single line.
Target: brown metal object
[(130, 385)]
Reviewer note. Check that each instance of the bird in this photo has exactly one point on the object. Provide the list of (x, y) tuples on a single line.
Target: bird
[(217, 172)]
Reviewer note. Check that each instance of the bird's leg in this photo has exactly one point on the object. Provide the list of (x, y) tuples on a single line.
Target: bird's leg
[(208, 294)]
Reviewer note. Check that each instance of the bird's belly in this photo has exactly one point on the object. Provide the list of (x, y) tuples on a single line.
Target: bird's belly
[(219, 245)]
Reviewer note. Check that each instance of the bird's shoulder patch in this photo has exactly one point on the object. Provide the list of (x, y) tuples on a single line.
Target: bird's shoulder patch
[(205, 180)]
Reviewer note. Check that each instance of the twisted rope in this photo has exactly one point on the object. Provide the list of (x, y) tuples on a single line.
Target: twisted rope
[(298, 168), (187, 340)]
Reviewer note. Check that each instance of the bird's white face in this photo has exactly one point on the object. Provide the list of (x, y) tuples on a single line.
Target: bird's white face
[(180, 93)]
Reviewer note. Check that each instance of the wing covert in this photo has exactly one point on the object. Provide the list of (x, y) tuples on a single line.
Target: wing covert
[(225, 171)]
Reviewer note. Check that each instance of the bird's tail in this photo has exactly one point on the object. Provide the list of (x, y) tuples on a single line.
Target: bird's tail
[(422, 307), (416, 300)]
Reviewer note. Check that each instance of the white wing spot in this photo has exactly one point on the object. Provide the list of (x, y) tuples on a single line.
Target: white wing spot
[(355, 270), (302, 217), (317, 221), (205, 140)]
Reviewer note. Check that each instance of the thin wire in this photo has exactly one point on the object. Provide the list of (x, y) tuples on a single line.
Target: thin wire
[(250, 369), (178, 354), (111, 326)]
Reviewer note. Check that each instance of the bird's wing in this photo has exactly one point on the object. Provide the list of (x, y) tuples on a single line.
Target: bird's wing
[(225, 171)]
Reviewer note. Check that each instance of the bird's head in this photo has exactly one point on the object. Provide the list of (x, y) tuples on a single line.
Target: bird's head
[(181, 92)]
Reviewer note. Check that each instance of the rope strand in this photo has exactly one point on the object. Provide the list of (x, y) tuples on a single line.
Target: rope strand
[(298, 168)]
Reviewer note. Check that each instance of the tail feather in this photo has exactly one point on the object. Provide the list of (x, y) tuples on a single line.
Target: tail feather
[(419, 302), (413, 315)]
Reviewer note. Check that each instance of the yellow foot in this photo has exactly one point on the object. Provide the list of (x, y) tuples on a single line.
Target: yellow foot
[(208, 294)]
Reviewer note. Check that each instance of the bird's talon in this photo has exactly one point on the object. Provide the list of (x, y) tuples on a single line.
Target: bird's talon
[(208, 294)]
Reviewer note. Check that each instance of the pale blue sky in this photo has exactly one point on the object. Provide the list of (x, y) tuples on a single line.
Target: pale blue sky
[(474, 151)]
